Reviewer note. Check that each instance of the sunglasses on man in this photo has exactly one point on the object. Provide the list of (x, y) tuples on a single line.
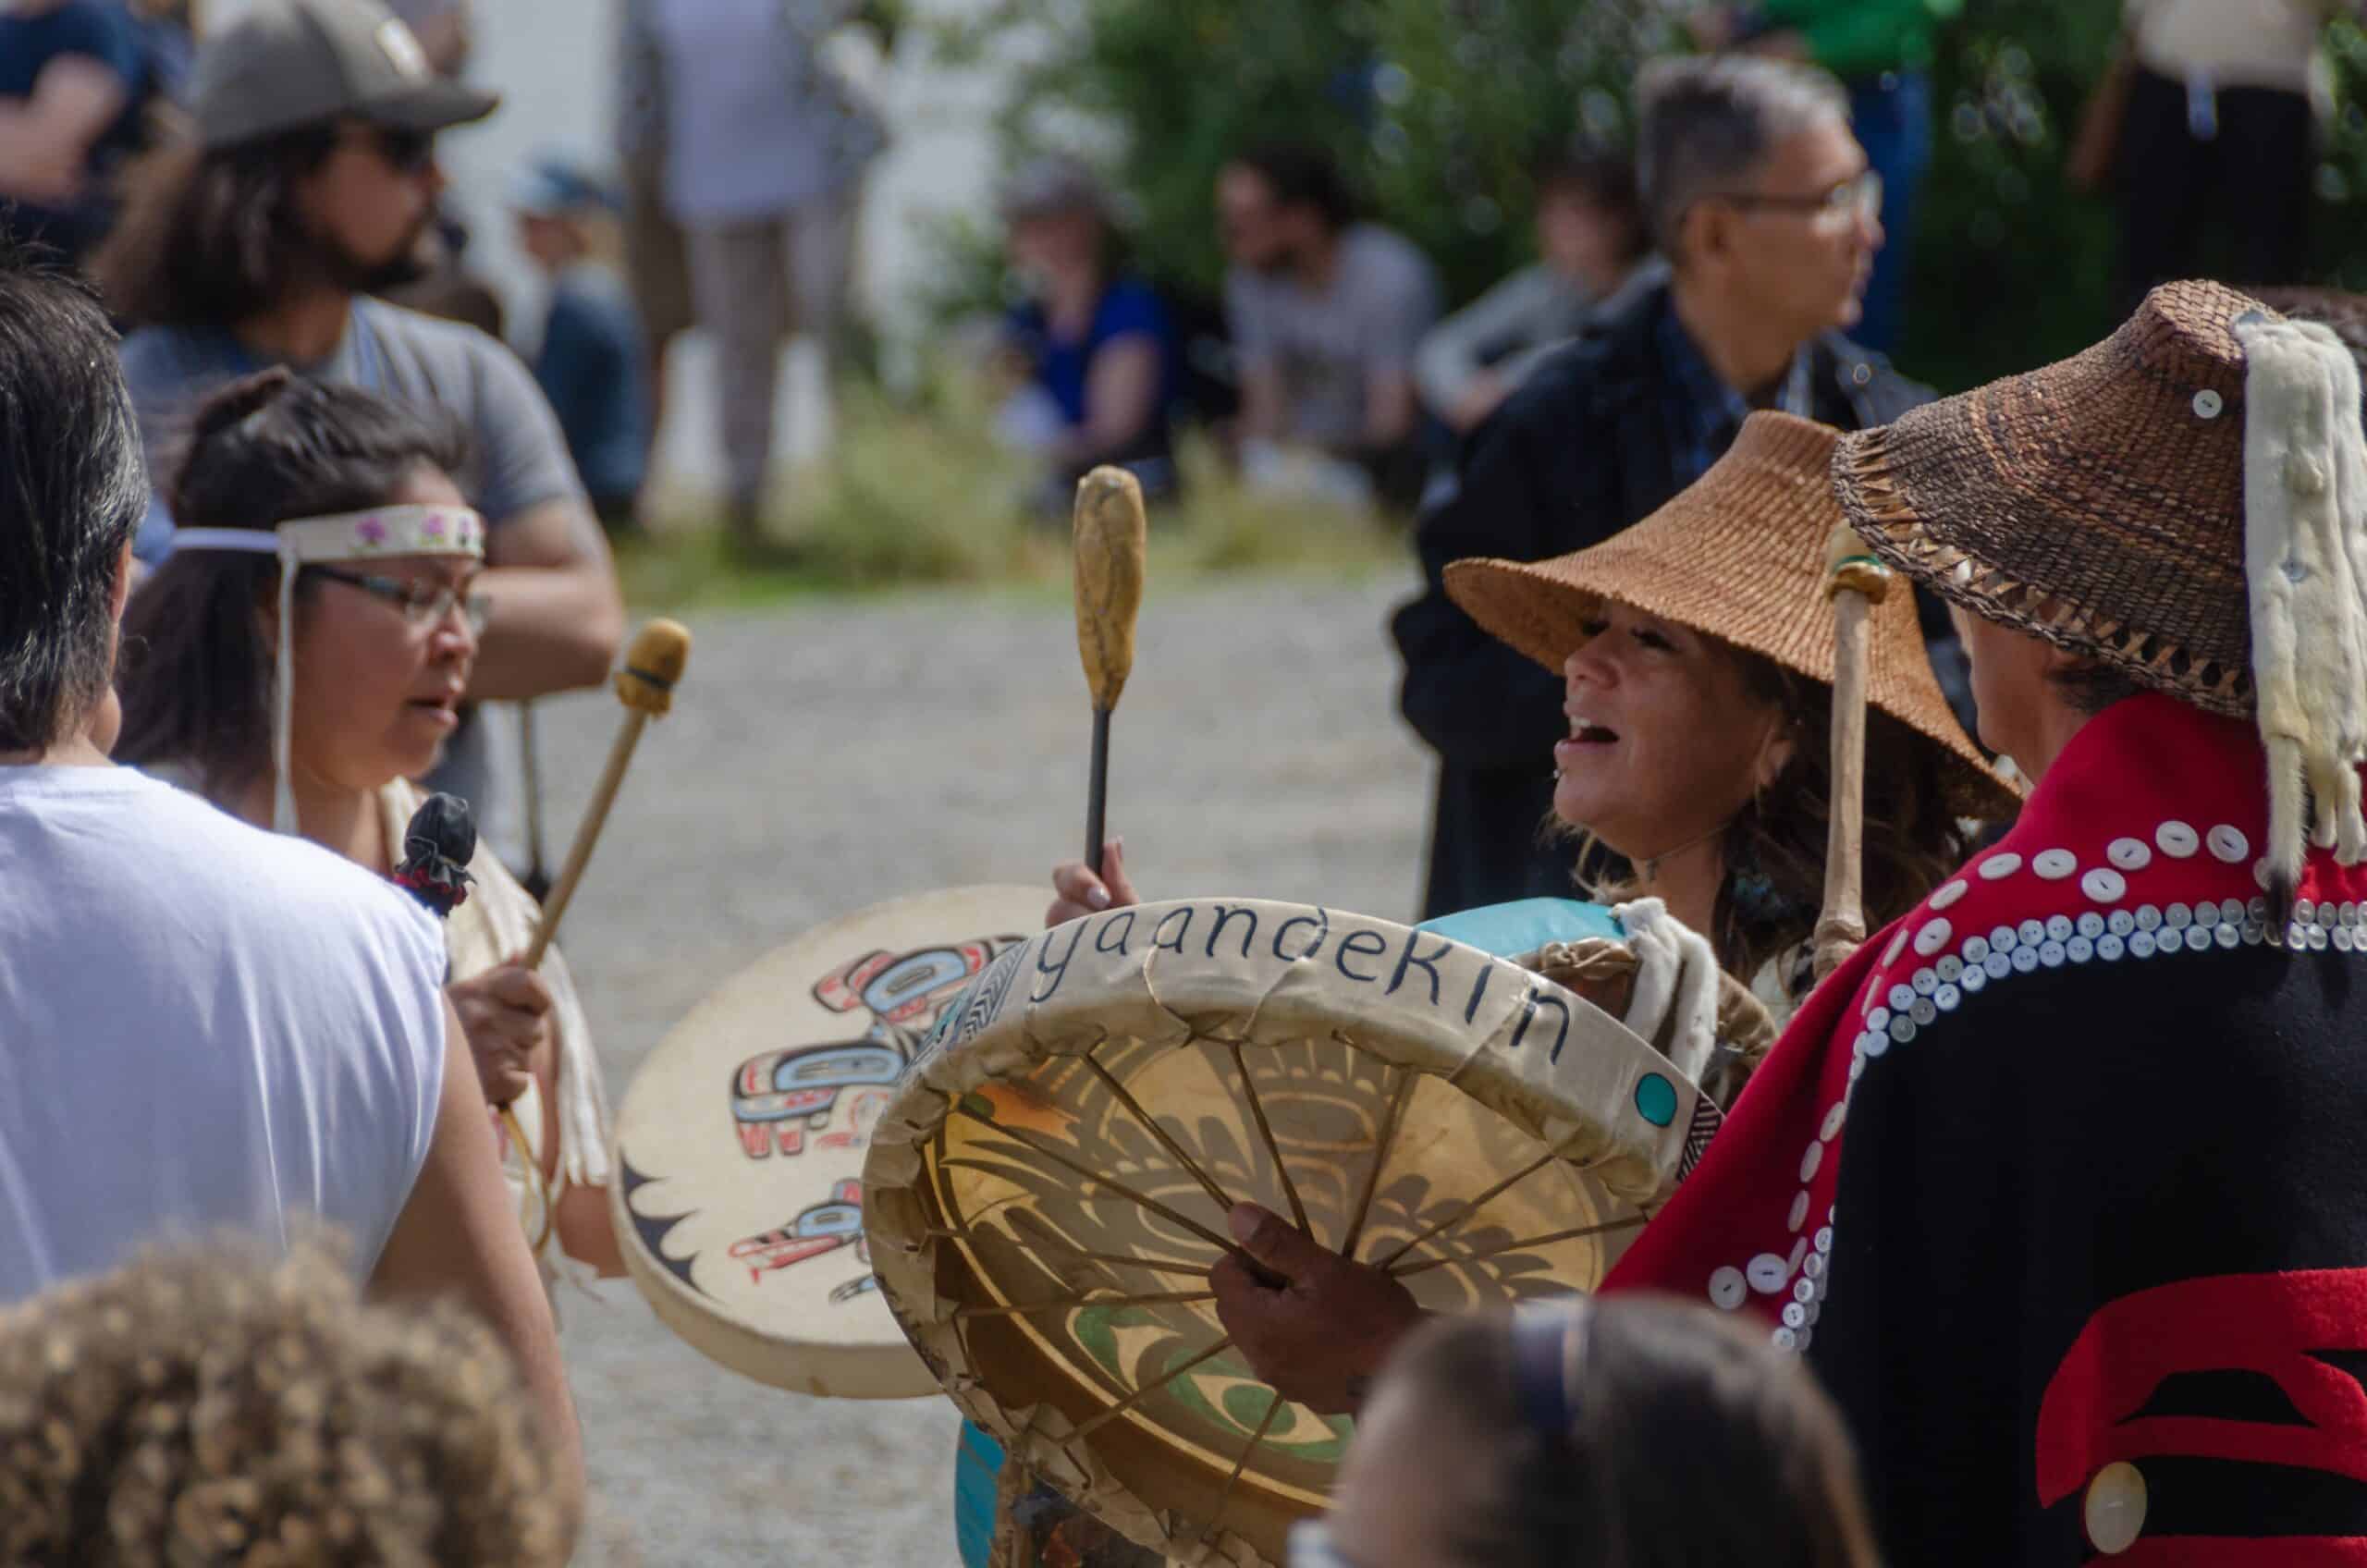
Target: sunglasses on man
[(406, 151)]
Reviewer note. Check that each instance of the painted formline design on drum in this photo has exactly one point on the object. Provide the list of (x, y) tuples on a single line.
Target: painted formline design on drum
[(778, 1097), (750, 1244), (1059, 1163), (654, 1230)]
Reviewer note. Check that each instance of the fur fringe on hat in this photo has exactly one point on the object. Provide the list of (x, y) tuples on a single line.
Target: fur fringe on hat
[(2305, 563)]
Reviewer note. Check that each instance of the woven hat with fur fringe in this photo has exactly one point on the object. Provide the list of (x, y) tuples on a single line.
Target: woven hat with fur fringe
[(2186, 502), (1740, 555)]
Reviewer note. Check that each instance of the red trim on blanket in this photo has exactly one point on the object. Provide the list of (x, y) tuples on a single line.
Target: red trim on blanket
[(2270, 1324)]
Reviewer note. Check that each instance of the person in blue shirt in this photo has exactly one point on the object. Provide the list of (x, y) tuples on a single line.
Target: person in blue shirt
[(74, 78), (592, 363), (167, 45), (1090, 342)]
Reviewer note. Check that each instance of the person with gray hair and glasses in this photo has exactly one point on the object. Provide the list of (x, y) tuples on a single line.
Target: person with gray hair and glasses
[(1769, 217)]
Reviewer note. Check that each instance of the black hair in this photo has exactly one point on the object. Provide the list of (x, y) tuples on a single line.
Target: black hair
[(197, 672), (73, 488), (2092, 686), (1303, 176)]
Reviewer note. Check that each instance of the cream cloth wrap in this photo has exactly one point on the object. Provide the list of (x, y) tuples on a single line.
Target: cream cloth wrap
[(494, 925)]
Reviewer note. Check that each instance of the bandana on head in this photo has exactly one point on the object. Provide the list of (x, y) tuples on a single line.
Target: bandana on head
[(379, 533)]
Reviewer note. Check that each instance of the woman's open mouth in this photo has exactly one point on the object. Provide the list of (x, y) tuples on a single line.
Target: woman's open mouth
[(1587, 738)]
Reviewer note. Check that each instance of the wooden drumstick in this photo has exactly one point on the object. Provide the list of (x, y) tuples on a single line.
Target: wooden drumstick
[(1856, 582), (1111, 533), (645, 685), (537, 880)]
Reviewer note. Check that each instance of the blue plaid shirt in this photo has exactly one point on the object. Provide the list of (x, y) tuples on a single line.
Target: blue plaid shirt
[(1704, 413)]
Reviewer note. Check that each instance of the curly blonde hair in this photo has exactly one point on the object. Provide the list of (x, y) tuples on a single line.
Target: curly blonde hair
[(212, 1406)]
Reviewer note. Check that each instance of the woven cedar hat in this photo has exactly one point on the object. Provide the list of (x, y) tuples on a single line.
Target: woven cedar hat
[(2111, 503), (1740, 557), (2097, 503)]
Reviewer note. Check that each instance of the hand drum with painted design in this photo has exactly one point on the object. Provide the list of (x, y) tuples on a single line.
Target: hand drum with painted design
[(737, 1194), (1049, 1190)]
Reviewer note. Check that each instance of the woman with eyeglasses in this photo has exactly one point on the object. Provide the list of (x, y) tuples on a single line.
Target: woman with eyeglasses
[(299, 659), (1614, 1433)]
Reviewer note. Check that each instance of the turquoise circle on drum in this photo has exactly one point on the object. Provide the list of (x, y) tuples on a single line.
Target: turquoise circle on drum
[(1656, 1099)]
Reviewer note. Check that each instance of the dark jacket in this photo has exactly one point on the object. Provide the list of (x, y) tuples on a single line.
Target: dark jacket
[(2056, 1183), (1580, 451)]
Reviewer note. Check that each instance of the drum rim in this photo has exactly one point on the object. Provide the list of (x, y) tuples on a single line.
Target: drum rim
[(898, 1182)]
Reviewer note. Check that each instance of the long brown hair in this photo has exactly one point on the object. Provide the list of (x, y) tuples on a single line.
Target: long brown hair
[(211, 237), (195, 673), (1694, 1443), (1775, 846)]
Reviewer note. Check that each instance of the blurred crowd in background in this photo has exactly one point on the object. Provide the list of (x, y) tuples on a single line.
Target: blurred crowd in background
[(1334, 286), (1517, 321)]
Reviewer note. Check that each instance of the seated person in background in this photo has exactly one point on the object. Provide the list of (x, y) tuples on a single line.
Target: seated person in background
[(384, 633), (264, 1019), (1092, 340), (217, 1405), (168, 50), (1325, 313), (1590, 238), (73, 78), (1592, 1432), (591, 361)]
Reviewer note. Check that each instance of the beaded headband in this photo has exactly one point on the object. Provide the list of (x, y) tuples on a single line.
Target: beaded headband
[(375, 533)]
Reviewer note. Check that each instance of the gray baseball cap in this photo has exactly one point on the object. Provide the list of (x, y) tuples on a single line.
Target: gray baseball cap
[(285, 64)]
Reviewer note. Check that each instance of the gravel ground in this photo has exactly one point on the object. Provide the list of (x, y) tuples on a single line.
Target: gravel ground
[(824, 757)]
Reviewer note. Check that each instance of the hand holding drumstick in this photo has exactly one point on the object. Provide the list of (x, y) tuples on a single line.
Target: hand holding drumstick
[(1079, 892), (506, 1014)]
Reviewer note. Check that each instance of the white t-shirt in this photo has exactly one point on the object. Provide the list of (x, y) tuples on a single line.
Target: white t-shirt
[(202, 1027), (2271, 43)]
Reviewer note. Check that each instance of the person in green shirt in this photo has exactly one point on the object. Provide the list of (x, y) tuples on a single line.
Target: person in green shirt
[(1882, 50)]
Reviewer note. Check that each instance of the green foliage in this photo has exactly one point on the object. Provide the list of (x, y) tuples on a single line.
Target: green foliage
[(918, 492), (1439, 107), (2011, 268)]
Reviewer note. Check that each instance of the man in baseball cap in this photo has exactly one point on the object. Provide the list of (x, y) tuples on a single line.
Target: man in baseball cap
[(307, 187), (287, 64)]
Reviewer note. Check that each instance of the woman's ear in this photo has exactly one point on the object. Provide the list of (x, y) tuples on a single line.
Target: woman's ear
[(1775, 754), (267, 613)]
